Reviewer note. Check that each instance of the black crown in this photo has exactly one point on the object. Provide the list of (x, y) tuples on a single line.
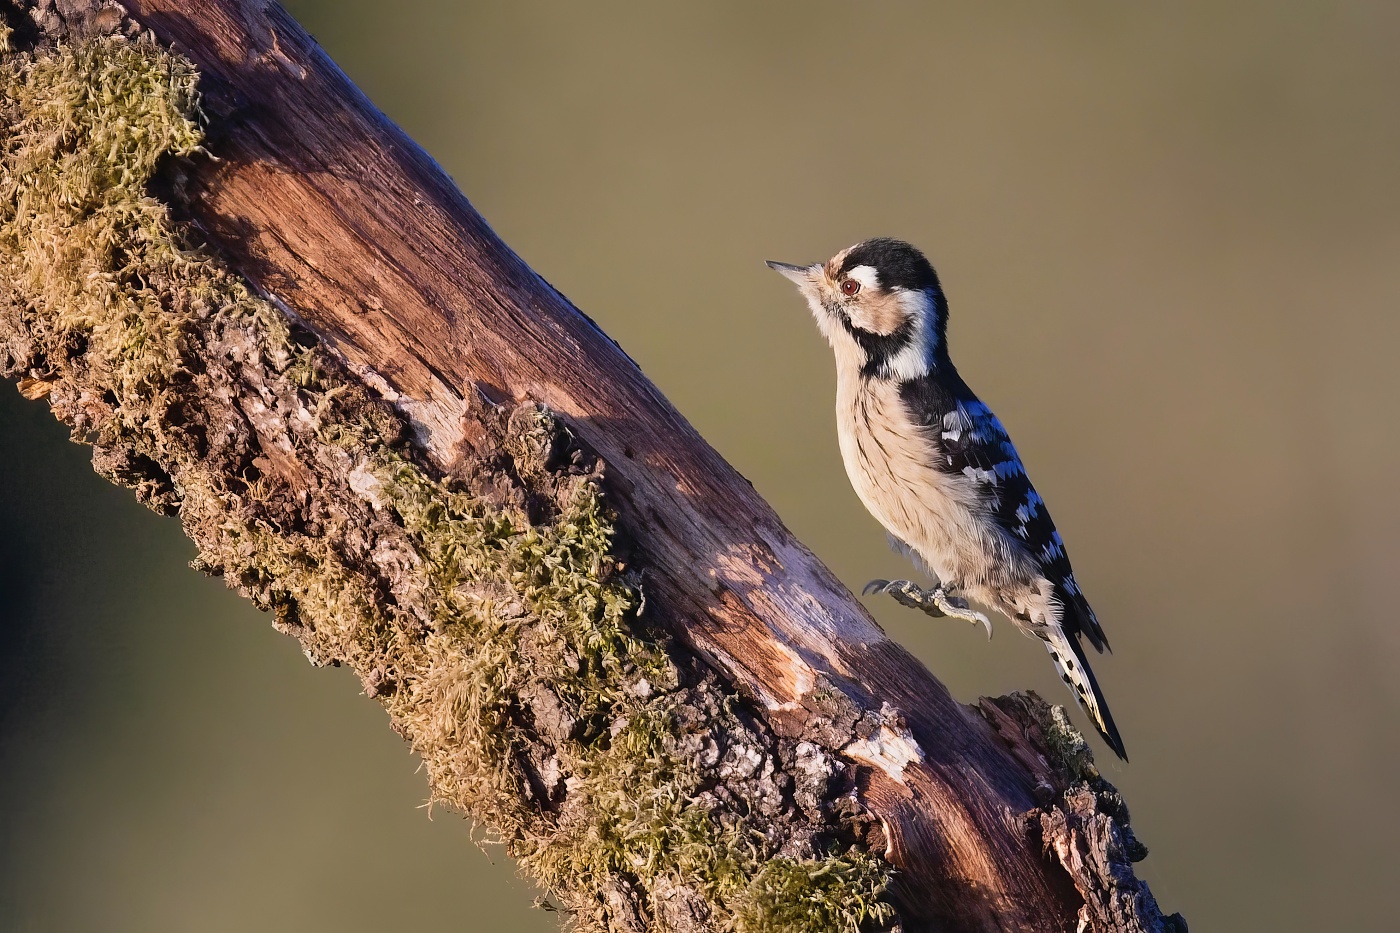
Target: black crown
[(897, 263)]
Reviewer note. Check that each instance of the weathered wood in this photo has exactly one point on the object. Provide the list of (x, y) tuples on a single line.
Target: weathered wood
[(324, 204)]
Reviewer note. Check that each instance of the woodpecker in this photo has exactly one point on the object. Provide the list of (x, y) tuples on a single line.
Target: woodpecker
[(935, 466)]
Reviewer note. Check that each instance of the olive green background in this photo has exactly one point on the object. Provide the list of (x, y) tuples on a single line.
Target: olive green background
[(1170, 234)]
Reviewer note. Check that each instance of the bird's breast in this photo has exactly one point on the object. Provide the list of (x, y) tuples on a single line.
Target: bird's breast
[(890, 460)]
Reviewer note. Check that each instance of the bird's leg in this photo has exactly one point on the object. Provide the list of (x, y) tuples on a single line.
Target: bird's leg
[(937, 602)]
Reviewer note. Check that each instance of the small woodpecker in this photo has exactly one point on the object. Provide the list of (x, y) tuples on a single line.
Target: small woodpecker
[(936, 468)]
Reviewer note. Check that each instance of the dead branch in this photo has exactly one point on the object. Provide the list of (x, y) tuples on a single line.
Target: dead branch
[(288, 327)]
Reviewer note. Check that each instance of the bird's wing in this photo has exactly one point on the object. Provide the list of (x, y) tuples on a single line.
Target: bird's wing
[(971, 442)]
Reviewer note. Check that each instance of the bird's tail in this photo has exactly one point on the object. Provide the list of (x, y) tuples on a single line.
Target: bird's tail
[(1074, 670)]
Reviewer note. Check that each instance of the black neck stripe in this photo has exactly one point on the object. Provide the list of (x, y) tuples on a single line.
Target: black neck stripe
[(879, 348)]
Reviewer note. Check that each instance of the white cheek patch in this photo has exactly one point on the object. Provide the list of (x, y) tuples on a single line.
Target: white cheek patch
[(918, 305), (915, 359)]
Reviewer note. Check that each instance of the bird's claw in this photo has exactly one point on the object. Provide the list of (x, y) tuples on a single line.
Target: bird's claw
[(936, 602), (956, 607)]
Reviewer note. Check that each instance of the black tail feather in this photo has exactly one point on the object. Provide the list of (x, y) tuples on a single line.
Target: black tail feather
[(1075, 671)]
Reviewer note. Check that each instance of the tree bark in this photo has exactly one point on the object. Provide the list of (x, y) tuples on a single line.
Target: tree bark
[(991, 818)]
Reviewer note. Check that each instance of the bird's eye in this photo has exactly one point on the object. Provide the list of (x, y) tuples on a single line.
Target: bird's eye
[(850, 287)]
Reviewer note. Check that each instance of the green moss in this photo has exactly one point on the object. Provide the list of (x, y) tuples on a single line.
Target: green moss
[(113, 301), (834, 894)]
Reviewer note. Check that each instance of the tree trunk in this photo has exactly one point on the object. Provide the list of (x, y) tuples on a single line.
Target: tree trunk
[(434, 469)]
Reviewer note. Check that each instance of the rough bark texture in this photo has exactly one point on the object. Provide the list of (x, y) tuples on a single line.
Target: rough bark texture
[(395, 440)]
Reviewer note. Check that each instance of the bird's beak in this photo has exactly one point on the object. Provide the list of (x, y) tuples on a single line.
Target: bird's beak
[(803, 276)]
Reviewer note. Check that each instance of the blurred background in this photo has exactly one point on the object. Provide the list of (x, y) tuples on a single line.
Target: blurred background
[(1170, 234)]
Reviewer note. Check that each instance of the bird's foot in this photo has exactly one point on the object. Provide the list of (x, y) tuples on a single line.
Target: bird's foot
[(936, 602)]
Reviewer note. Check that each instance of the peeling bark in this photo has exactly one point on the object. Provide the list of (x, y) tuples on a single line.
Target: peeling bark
[(433, 469)]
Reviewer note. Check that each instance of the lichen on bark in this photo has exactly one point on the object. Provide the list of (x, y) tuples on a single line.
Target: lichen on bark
[(1082, 821), (492, 612)]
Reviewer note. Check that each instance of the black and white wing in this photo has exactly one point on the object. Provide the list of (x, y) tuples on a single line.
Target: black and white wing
[(971, 442)]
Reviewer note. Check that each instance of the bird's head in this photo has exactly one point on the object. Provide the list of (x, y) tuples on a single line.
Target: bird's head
[(880, 306)]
